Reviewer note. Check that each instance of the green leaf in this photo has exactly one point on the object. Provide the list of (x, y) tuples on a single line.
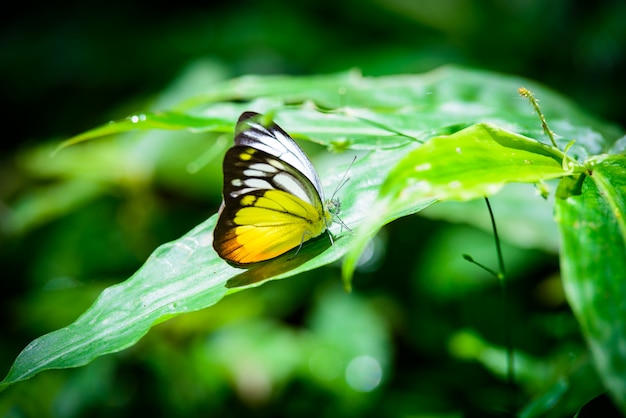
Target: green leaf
[(593, 264), (472, 163), (148, 121), (448, 96), (181, 276), (373, 112)]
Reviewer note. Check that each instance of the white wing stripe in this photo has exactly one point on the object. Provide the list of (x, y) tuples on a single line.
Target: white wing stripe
[(256, 183), (282, 146), (266, 168), (286, 182), (253, 173)]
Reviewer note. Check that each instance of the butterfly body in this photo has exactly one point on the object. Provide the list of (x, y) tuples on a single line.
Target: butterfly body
[(273, 200)]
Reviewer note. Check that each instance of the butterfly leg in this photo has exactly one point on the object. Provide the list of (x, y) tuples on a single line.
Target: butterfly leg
[(302, 240)]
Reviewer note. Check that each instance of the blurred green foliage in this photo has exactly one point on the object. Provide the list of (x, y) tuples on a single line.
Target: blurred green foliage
[(104, 58), (432, 318)]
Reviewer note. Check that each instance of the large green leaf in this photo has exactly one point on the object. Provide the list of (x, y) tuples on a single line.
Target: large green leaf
[(374, 112), (593, 263), (472, 163)]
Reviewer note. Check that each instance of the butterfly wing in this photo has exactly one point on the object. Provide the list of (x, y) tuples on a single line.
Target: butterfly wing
[(255, 131), (269, 205)]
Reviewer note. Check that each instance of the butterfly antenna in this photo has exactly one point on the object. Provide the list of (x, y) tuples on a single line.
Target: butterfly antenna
[(343, 180)]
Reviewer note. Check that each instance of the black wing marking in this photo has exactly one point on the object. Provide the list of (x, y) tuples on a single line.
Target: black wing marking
[(248, 170), (252, 130)]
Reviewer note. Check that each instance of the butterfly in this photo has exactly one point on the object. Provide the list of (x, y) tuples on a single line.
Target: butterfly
[(273, 198)]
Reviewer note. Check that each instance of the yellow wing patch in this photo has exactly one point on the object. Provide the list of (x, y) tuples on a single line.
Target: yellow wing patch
[(268, 225)]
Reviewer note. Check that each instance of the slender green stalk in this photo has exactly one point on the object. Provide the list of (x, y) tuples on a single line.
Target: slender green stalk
[(500, 275), (505, 303), (524, 92)]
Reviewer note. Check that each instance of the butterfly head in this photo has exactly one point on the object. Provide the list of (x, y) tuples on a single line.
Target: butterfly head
[(333, 206)]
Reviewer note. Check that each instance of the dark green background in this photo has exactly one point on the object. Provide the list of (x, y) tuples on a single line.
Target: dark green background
[(67, 67), (80, 62)]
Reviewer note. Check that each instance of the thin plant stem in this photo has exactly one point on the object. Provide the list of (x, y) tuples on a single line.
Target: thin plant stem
[(505, 303), (501, 277), (524, 92)]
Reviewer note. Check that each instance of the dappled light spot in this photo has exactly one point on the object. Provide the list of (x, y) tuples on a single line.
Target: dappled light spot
[(364, 373)]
